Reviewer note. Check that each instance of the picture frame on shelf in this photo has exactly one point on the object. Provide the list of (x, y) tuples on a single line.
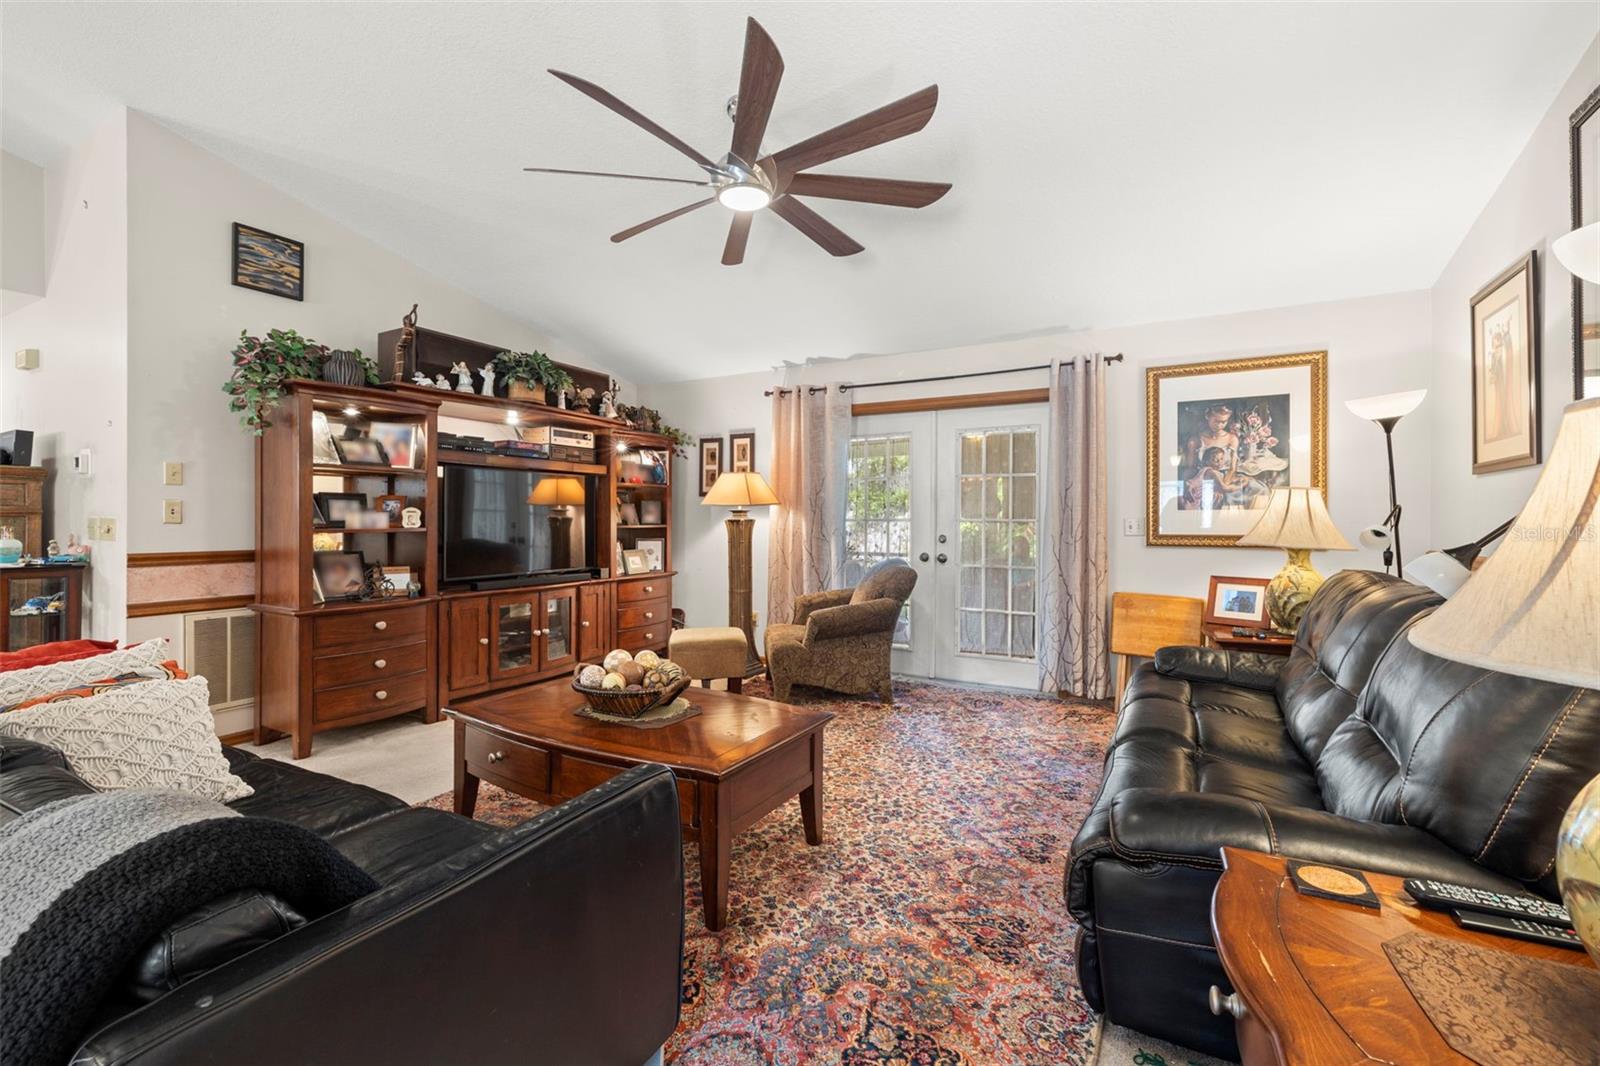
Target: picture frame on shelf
[(655, 553), (650, 512), (360, 451), (339, 575), (1237, 601), (268, 262), (322, 449), (337, 508), (411, 518), (1221, 435), (327, 542), (399, 579), (1505, 369), (392, 506), (742, 452), (634, 561), (710, 462), (400, 442)]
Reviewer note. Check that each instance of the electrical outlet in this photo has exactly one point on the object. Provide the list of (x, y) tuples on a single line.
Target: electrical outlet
[(171, 473), (1133, 527), (27, 359), (172, 512)]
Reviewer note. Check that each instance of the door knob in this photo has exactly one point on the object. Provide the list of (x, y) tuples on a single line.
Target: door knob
[(943, 558), (923, 557)]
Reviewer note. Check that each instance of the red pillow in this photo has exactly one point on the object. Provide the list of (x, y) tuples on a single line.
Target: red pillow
[(60, 651)]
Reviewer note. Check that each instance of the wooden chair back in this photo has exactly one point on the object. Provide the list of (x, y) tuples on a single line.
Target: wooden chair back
[(1141, 623)]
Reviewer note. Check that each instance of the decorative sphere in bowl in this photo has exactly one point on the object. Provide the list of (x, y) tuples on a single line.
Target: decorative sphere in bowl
[(613, 680), (591, 676), (647, 659), (615, 658)]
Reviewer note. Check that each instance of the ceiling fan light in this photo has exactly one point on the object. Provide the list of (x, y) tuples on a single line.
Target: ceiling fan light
[(742, 196)]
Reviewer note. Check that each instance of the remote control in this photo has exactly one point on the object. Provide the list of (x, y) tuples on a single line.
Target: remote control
[(1520, 928), (1446, 896)]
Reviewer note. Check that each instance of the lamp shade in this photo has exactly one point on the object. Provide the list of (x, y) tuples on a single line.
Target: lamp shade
[(1579, 252), (557, 492), (1394, 405), (745, 489), (1533, 607), (1296, 518)]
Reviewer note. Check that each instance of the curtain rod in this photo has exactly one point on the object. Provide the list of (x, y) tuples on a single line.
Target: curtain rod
[(814, 389)]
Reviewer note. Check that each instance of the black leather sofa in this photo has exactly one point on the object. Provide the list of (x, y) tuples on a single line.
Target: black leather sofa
[(1357, 749), (558, 941)]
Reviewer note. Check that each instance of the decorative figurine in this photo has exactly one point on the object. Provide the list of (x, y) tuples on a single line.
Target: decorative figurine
[(441, 382), (608, 402), (583, 399), (419, 378), (487, 371), (52, 548), (463, 375), (79, 551), (408, 340)]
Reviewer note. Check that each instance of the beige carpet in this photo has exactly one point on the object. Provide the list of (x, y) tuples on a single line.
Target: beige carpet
[(401, 756)]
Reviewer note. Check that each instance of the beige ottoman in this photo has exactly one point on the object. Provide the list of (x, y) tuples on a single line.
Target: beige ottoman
[(713, 651)]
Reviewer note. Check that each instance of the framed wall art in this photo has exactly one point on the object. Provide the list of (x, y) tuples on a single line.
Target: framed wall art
[(710, 462), (1220, 436), (268, 263), (1585, 158), (1505, 370), (741, 452)]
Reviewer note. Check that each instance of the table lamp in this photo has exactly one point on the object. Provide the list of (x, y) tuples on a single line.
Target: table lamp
[(1387, 411), (1533, 609), (1297, 521), (741, 491)]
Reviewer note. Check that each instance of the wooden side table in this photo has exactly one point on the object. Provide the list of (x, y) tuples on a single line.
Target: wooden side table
[(1312, 983), (1222, 637)]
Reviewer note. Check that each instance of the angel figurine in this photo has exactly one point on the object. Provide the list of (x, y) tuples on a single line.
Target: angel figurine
[(441, 382), (487, 370), (419, 378), (463, 375), (608, 403)]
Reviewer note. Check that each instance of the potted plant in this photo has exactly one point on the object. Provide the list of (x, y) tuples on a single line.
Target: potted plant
[(529, 375), (260, 368)]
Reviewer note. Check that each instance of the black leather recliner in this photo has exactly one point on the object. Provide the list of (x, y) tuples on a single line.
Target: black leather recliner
[(556, 941), (1357, 749)]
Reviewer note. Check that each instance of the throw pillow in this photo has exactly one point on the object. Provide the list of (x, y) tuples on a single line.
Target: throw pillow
[(57, 651), (167, 671), (157, 734), (19, 685)]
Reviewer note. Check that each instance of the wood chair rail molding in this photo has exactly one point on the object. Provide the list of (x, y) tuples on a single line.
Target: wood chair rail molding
[(139, 560), (156, 608), (1005, 398)]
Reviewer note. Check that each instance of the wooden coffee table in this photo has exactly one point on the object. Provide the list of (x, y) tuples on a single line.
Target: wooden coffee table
[(1312, 983), (736, 761)]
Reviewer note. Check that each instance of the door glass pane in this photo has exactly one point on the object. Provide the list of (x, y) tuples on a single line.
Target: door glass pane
[(514, 648), (877, 521), (558, 628), (998, 485), (971, 586), (972, 632), (996, 633)]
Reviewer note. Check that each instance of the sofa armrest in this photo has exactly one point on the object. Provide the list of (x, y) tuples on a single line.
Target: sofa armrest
[(514, 947), (816, 601), (1192, 828), (852, 620), (17, 752), (1247, 669)]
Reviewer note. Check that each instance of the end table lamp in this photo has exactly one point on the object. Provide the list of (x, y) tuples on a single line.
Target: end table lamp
[(1387, 411), (1533, 609), (1297, 521), (741, 491)]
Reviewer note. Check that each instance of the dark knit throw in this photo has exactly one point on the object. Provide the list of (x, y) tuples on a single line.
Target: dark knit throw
[(77, 941)]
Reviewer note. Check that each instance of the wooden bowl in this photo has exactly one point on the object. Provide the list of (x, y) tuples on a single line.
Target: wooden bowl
[(625, 704)]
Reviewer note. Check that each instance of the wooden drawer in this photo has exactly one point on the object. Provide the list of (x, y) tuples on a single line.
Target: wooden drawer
[(648, 588), (651, 613), (20, 495), (350, 668), (490, 754), (575, 776), (350, 701), (384, 625), (651, 637)]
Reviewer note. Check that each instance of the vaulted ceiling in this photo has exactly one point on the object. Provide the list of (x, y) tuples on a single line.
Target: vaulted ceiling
[(1112, 164)]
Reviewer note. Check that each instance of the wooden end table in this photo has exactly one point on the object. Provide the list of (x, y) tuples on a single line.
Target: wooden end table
[(736, 761), (1312, 983)]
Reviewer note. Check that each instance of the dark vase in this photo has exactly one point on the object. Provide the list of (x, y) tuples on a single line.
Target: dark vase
[(343, 368)]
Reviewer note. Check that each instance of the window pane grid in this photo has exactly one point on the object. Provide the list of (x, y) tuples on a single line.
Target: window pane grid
[(998, 551), (877, 520)]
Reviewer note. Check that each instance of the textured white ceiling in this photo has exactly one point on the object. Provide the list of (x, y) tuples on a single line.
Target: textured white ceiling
[(1112, 164)]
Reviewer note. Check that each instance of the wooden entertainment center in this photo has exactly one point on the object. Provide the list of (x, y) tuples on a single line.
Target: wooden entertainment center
[(328, 662)]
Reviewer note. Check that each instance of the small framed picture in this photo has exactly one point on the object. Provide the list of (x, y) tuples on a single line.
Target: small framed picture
[(1237, 601), (363, 450), (411, 518), (650, 512), (338, 575), (741, 452), (655, 553), (399, 442), (628, 513), (391, 506), (322, 449), (710, 462), (268, 263), (1505, 370), (634, 561), (339, 508), (327, 542), (399, 579)]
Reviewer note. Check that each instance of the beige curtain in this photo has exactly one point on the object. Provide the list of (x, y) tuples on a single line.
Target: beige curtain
[(810, 446), (1073, 656)]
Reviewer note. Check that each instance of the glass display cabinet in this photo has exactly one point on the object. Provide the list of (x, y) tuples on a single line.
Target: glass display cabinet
[(42, 604)]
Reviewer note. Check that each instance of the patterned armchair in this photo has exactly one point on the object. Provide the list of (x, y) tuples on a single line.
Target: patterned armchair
[(841, 639)]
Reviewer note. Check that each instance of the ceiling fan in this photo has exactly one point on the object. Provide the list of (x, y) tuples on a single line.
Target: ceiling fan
[(745, 181)]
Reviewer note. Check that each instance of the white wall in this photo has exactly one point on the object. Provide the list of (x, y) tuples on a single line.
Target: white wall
[(22, 217), (1527, 211), (1376, 344), (185, 317), (77, 398)]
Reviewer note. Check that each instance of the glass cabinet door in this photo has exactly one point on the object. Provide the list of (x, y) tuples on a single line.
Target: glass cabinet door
[(558, 626), (514, 649), (36, 610)]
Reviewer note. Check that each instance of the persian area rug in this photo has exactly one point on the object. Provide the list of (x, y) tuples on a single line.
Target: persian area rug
[(929, 928)]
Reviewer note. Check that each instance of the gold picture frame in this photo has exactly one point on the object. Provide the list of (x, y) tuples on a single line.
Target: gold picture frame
[(1505, 370), (1202, 504)]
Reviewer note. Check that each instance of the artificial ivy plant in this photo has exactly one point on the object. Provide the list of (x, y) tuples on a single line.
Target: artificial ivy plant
[(261, 367)]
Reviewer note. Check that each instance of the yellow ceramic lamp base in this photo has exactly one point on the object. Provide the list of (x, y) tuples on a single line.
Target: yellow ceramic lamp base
[(1291, 590)]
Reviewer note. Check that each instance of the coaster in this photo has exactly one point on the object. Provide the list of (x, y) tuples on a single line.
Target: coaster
[(1332, 882), (655, 718)]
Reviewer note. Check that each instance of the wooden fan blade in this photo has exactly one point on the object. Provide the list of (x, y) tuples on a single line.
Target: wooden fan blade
[(609, 174), (738, 236), (890, 191), (833, 240), (889, 122), (758, 87), (634, 231), (596, 93)]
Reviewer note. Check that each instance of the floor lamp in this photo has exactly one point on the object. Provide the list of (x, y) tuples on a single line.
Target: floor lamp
[(1387, 411), (741, 491)]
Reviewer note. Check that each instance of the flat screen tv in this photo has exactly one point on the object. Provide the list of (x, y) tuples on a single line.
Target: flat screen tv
[(500, 524)]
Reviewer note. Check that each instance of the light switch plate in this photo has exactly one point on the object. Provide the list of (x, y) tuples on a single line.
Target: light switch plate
[(172, 512), (1133, 527), (171, 473), (27, 359), (102, 528)]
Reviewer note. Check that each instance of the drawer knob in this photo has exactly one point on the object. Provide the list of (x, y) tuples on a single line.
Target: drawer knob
[(649, 636), (381, 663), (382, 694), (649, 614), (496, 756), (380, 625), (584, 624), (483, 640), (1229, 1003), (649, 588)]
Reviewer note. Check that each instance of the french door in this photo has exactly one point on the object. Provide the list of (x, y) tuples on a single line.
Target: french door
[(958, 494)]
